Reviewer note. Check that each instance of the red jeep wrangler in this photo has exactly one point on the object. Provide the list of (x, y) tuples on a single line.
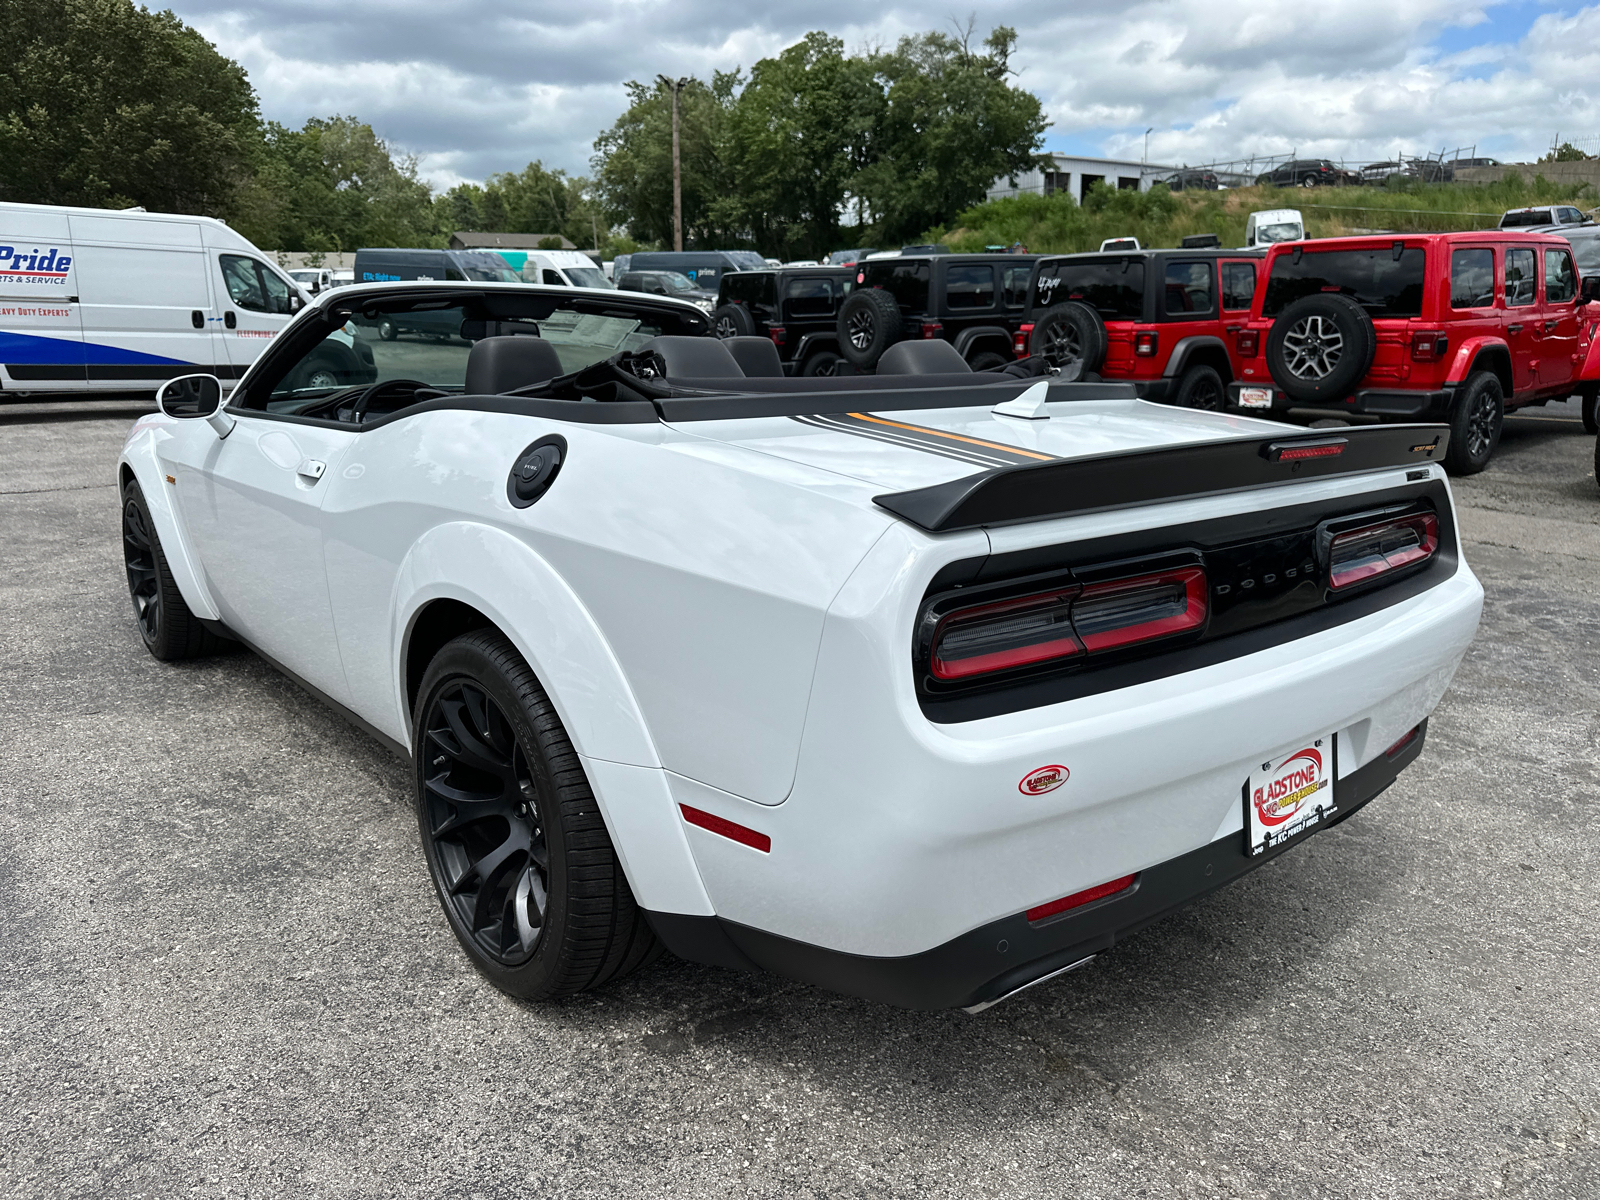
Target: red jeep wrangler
[(1452, 327), (1162, 320)]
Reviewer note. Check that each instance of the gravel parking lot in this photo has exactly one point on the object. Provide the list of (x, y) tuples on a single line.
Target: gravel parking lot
[(225, 973)]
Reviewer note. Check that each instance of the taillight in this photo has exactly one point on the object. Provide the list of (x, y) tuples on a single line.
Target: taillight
[(1010, 633), (1381, 548), (1068, 621), (1019, 340), (1109, 616), (1145, 344), (931, 329), (1079, 899), (1249, 343), (1428, 346), (1406, 740), (777, 333)]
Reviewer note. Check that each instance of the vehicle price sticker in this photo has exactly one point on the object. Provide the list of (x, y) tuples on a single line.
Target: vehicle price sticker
[(1255, 397), (1290, 795)]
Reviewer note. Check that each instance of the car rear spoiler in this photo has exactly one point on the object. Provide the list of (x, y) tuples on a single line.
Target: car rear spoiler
[(1037, 492)]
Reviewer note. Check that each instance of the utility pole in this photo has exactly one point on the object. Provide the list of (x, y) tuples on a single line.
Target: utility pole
[(1147, 134), (676, 86)]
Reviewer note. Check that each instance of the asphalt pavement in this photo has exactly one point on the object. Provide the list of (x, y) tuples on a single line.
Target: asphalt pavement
[(223, 971)]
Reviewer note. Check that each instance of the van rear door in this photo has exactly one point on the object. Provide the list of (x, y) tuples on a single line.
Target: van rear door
[(41, 334), (146, 305)]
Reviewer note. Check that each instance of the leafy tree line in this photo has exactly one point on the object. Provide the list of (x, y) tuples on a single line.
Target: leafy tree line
[(107, 104)]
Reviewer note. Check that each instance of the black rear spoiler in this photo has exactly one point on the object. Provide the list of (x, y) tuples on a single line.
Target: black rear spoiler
[(1010, 495)]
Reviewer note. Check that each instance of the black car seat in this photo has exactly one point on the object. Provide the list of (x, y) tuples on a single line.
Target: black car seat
[(503, 364), (922, 358), (695, 357), (757, 356)]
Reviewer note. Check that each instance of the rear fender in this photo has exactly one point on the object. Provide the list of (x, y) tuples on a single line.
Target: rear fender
[(1481, 353), (509, 583), (967, 338), (1202, 348), (1591, 363), (141, 460)]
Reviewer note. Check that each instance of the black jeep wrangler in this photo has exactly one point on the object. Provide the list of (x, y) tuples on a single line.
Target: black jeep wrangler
[(796, 307), (976, 302)]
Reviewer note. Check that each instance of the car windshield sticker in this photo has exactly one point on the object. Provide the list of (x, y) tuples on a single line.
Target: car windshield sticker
[(975, 451)]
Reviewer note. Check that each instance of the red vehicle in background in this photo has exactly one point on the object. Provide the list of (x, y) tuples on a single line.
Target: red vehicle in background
[(1450, 327), (1165, 321)]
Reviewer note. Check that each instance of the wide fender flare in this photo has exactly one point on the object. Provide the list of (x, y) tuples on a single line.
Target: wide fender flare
[(512, 585), (1590, 370), (1467, 353), (140, 455), (1186, 348), (966, 337)]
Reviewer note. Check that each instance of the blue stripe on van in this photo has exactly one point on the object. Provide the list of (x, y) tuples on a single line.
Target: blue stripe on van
[(29, 348)]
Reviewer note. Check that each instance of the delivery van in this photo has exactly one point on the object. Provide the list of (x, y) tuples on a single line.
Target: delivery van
[(100, 300), (555, 268)]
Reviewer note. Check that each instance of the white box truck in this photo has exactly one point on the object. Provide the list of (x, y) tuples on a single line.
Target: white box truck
[(98, 300)]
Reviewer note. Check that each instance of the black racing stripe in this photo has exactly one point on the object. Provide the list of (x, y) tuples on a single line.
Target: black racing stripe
[(887, 437), (977, 451)]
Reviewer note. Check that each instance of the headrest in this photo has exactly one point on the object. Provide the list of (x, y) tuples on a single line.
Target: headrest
[(699, 357), (503, 364), (921, 358), (757, 356)]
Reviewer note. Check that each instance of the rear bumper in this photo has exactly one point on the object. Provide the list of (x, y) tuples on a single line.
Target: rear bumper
[(1387, 402), (1000, 957), (1155, 390)]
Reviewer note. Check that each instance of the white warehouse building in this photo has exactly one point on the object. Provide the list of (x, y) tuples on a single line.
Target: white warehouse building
[(1077, 175)]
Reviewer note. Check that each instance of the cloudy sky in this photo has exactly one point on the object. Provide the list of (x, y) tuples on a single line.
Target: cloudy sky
[(473, 86)]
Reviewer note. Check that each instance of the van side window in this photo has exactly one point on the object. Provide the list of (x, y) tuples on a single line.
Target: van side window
[(1519, 277), (1560, 282), (251, 285), (553, 278)]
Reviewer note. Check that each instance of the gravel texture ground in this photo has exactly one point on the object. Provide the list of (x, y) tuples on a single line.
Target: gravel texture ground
[(225, 974)]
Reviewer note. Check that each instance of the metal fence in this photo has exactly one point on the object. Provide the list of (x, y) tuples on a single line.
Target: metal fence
[(1431, 167)]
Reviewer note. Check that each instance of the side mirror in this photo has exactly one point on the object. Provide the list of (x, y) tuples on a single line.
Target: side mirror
[(1590, 290), (191, 396), (296, 304)]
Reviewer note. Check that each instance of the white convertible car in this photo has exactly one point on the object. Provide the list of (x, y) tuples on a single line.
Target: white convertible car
[(924, 686)]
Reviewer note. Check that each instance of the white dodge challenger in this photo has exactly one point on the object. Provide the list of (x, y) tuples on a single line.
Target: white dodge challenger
[(923, 686)]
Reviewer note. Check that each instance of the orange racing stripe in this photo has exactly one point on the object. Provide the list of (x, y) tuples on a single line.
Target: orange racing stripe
[(953, 437)]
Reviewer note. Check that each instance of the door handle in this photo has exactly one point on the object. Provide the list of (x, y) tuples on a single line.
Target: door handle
[(1549, 325), (311, 470), (1513, 328), (197, 319), (229, 319)]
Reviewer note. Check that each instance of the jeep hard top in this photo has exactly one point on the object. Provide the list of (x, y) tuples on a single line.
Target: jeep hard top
[(797, 308)]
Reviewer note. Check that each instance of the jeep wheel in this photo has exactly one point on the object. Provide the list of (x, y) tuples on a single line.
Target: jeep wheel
[(823, 362), (869, 323), (1475, 424), (1591, 423), (1070, 337), (1200, 387), (731, 321), (519, 854), (387, 330), (1320, 347), (987, 361)]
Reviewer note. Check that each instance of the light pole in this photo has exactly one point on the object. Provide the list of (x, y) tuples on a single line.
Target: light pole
[(1146, 157), (675, 86)]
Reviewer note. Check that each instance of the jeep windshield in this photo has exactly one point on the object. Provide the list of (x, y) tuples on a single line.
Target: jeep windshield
[(1383, 284), (1113, 287)]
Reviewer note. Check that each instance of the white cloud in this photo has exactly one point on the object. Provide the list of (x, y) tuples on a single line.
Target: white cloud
[(473, 87)]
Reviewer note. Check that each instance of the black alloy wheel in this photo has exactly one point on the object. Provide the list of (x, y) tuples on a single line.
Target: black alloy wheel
[(725, 328), (144, 581), (1201, 387), (1475, 424), (169, 629), (822, 364), (861, 327), (482, 815), (512, 833)]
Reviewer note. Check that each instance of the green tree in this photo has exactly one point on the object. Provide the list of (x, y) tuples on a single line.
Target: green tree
[(1566, 152), (952, 123), (107, 104)]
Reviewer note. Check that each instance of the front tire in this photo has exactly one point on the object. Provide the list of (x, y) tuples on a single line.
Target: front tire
[(387, 330), (519, 854), (170, 631), (1591, 423), (1475, 424)]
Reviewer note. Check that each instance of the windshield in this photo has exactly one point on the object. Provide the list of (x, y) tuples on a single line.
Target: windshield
[(1382, 284), (677, 281), (588, 277), (492, 274), (1289, 232), (303, 276), (1112, 287)]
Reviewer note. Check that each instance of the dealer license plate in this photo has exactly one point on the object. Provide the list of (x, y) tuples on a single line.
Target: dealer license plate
[(1255, 397), (1290, 795)]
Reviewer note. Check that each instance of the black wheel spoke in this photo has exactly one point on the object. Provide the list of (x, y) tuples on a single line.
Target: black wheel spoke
[(469, 746)]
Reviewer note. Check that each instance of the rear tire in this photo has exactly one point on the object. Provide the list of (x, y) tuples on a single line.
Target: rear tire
[(170, 631), (869, 323), (987, 361), (519, 854), (1475, 424), (387, 330), (1201, 387), (824, 363), (1590, 422)]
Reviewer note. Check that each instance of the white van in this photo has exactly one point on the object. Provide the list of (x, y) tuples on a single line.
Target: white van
[(97, 300), (1273, 225), (560, 268), (313, 279)]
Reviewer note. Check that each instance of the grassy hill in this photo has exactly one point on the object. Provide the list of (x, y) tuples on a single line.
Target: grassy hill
[(1057, 224)]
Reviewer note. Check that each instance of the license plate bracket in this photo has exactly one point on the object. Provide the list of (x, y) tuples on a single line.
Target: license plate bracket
[(1291, 794), (1255, 397)]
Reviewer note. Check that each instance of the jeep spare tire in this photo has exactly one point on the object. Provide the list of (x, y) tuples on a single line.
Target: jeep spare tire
[(869, 323), (731, 321), (1320, 347), (1071, 337)]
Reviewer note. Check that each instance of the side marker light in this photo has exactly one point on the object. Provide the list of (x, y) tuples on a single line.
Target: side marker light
[(732, 830)]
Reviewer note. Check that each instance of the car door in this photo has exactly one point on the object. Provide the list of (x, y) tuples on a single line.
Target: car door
[(251, 503), (1238, 291), (1519, 284), (41, 335), (257, 302), (1559, 322)]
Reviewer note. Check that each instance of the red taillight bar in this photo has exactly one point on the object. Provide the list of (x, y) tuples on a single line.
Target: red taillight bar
[(1249, 343), (1108, 616), (1079, 899), (742, 834), (777, 333), (1020, 339), (1358, 555)]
